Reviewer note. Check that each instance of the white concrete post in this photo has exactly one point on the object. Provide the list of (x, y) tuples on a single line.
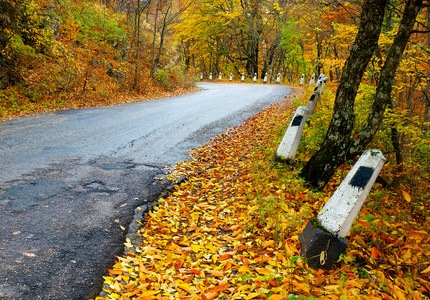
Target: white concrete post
[(312, 81), (312, 103), (290, 142), (323, 246), (201, 76), (265, 78), (255, 77), (210, 76), (231, 77), (322, 80), (243, 77), (220, 75), (278, 78), (323, 83), (342, 208), (302, 80)]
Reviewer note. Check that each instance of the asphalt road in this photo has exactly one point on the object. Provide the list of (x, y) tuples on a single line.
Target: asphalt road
[(70, 181)]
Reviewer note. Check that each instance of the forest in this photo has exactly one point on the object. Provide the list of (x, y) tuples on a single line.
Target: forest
[(60, 54)]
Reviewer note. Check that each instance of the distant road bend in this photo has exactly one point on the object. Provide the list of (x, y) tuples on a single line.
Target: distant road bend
[(71, 180)]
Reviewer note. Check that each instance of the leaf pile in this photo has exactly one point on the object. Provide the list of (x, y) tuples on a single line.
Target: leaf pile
[(231, 232)]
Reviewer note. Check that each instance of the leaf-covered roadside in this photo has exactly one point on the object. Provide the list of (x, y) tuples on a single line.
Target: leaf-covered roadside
[(231, 232)]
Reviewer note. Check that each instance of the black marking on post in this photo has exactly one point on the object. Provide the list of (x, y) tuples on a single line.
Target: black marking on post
[(361, 177), (297, 121), (312, 97)]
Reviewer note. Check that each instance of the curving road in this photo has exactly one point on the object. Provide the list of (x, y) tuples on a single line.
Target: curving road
[(70, 181)]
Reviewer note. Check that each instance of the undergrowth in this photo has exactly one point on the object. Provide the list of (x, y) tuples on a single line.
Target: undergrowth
[(85, 56)]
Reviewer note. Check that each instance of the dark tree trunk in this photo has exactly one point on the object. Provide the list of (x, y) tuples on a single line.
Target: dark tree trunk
[(426, 91), (333, 150), (339, 145), (426, 113), (387, 78), (271, 53)]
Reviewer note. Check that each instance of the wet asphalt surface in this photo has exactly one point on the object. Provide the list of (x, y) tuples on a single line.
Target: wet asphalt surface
[(70, 181)]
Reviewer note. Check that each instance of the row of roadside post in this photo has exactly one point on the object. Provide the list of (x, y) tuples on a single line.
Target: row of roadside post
[(254, 78), (323, 238)]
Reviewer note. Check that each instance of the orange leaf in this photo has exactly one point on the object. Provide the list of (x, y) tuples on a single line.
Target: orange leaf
[(262, 258), (227, 266), (115, 272), (218, 288), (374, 253), (224, 257), (216, 273), (264, 271), (185, 287), (363, 223), (235, 227), (242, 247), (301, 286), (209, 296)]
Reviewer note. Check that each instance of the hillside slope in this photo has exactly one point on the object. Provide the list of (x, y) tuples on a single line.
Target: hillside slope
[(75, 54)]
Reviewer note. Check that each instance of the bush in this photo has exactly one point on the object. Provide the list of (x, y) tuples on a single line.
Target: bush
[(162, 77)]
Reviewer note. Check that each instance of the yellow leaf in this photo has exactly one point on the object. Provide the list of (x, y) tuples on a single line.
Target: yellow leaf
[(244, 287), (407, 196), (196, 248), (426, 270), (185, 287), (148, 293), (254, 208), (276, 297), (265, 271), (128, 243), (268, 244)]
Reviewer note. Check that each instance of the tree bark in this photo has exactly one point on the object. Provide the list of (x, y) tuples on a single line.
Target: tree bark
[(387, 78), (333, 150)]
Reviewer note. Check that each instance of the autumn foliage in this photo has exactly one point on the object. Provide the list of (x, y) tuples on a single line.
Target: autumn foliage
[(77, 54), (230, 231)]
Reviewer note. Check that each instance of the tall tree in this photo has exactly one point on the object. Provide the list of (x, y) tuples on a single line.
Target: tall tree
[(340, 143), (168, 15)]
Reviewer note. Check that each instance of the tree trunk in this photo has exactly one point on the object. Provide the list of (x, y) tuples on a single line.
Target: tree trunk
[(387, 78), (156, 60), (152, 72), (137, 45), (426, 113), (426, 91), (333, 150), (339, 145)]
